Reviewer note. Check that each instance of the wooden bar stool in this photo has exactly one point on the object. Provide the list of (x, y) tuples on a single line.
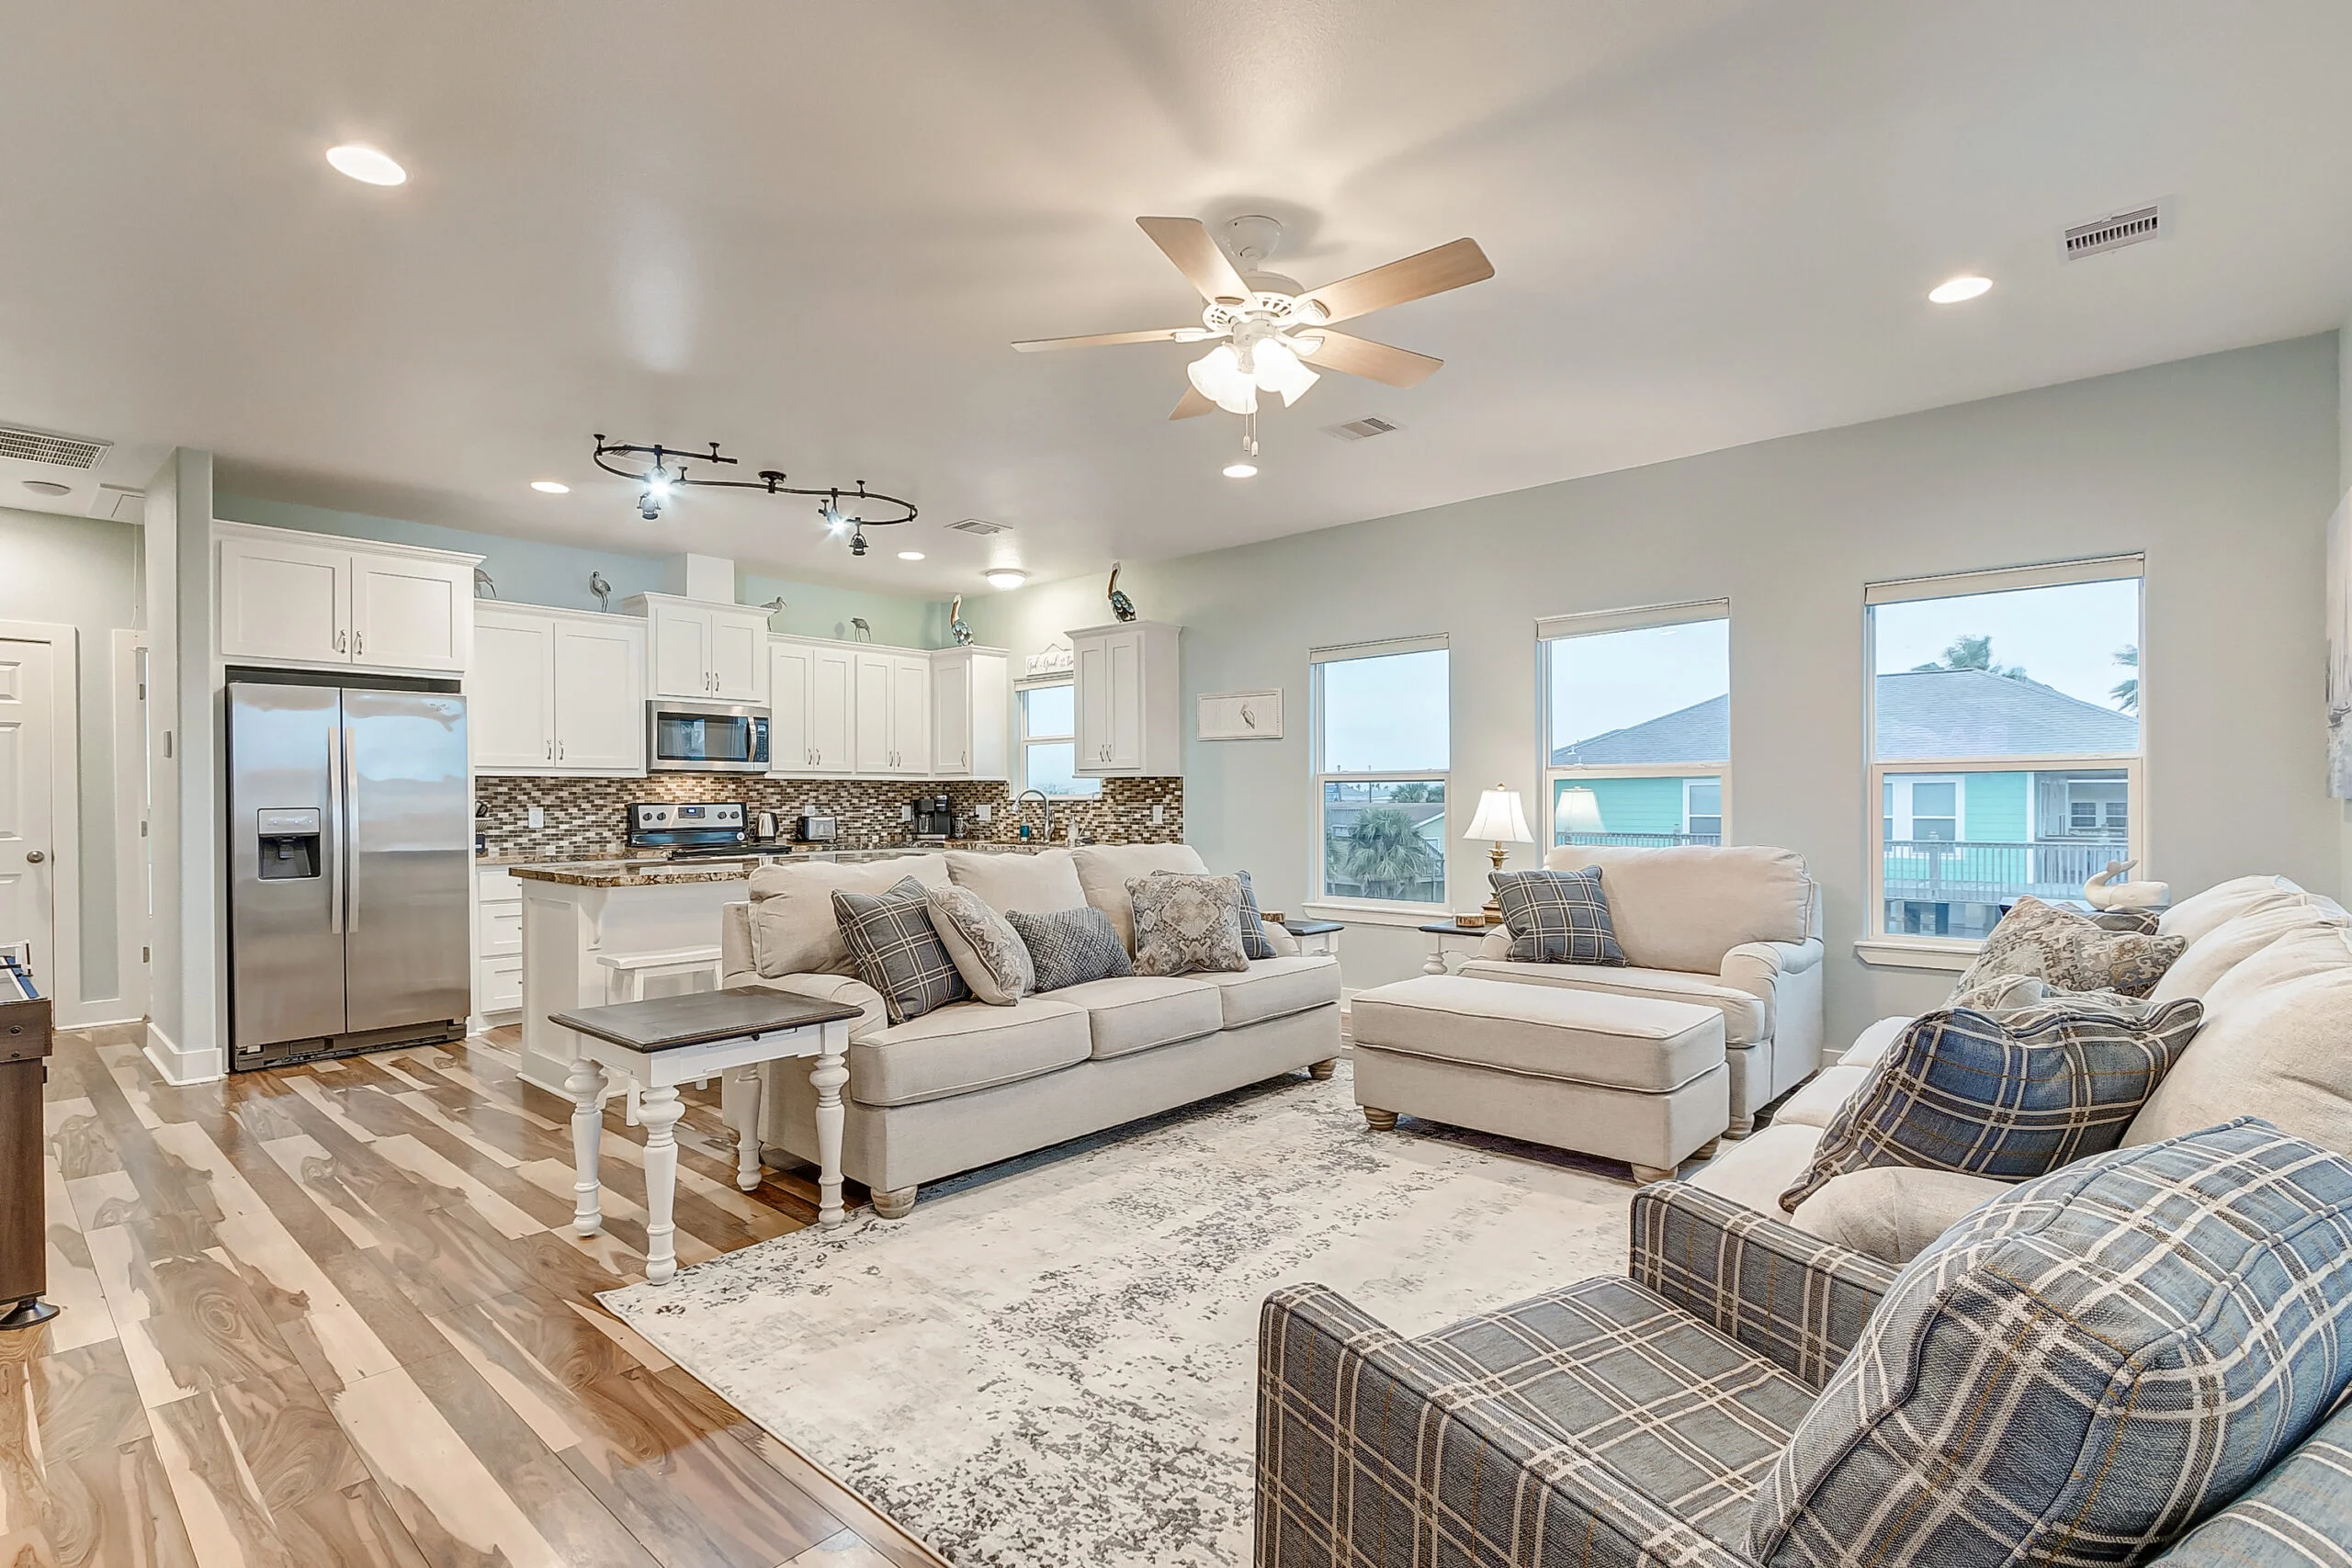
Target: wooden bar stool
[(625, 977)]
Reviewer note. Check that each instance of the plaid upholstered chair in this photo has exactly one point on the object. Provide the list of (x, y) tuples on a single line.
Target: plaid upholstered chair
[(2146, 1357)]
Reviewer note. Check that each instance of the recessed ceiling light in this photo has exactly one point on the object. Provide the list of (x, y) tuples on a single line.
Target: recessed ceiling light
[(911, 555), (1005, 576), (1952, 290), (550, 486), (366, 165), (1241, 470), (47, 486)]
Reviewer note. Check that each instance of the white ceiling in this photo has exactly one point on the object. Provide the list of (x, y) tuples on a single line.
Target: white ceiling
[(809, 230)]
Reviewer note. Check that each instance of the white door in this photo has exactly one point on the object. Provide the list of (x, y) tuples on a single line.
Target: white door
[(951, 734), (1123, 660), (599, 700), (832, 709), (27, 850), (873, 688), (1092, 676), (739, 647), (681, 652), (910, 714), (409, 614), (510, 697), (791, 752), (284, 600)]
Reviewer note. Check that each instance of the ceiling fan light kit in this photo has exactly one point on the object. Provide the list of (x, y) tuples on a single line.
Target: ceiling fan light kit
[(658, 479)]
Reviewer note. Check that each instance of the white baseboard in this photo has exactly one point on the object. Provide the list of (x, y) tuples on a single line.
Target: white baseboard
[(180, 1066)]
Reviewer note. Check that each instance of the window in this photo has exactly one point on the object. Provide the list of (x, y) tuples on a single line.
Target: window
[(2005, 720), (1049, 741), (1381, 750), (1637, 725)]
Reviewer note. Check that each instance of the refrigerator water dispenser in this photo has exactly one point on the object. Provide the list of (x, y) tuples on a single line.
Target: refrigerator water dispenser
[(290, 844)]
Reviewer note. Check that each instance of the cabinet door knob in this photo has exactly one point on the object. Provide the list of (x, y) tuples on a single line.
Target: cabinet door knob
[(34, 857), (358, 642)]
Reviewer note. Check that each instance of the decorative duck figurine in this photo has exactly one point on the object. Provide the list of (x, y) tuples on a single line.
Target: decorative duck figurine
[(1121, 605), (955, 626), (2104, 892)]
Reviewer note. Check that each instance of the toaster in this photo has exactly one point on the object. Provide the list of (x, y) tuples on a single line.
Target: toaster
[(816, 829)]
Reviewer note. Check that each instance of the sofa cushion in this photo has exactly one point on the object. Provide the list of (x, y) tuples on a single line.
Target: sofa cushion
[(1135, 1013), (1275, 987), (1556, 916), (2305, 953), (1743, 1014), (1875, 1041), (794, 930), (1184, 925), (1893, 1212), (2199, 913), (2083, 1367), (1819, 1101), (966, 1047), (1104, 870), (2070, 951), (1758, 1168), (2012, 1096), (987, 950), (1034, 884), (1587, 1037), (2211, 956), (1685, 907), (897, 949)]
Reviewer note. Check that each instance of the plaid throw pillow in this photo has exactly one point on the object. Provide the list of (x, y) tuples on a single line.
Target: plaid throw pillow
[(890, 940), (1557, 917), (2011, 1097), (2084, 1367), (1069, 947)]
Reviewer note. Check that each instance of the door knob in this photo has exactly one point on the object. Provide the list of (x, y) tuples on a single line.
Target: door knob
[(34, 857)]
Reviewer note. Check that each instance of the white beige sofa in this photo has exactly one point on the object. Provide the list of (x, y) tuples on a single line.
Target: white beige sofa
[(2273, 965), (1735, 928), (969, 1084)]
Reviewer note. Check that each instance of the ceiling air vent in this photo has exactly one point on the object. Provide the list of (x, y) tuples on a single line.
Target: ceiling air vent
[(1361, 429), (980, 527), (2117, 229), (58, 451)]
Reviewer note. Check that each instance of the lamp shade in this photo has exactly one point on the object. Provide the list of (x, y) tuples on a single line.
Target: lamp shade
[(1578, 811), (1499, 819)]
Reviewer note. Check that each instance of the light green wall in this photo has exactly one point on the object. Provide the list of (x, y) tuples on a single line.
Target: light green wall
[(2222, 470), (528, 571), (1995, 806), (1637, 806)]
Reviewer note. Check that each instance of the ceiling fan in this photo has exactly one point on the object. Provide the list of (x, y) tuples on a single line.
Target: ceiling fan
[(1271, 333)]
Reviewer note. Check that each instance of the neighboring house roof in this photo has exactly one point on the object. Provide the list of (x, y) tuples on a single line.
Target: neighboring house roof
[(1921, 713)]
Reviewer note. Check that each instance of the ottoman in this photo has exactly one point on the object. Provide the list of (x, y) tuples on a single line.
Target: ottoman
[(1628, 1077)]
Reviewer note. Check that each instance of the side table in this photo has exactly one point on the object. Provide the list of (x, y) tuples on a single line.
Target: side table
[(1446, 937), (1316, 939), (653, 1046)]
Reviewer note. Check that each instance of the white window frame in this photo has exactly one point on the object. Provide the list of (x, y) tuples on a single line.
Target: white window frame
[(1906, 816), (1556, 628), (1022, 737), (1902, 950), (1372, 911), (1691, 782)]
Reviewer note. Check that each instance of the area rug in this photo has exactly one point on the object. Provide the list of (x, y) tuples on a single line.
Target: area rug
[(1055, 1363)]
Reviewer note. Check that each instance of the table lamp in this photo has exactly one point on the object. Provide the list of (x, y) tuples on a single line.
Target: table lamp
[(1577, 811), (1499, 820)]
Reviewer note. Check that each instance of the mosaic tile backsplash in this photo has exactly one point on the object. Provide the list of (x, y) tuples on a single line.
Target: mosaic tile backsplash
[(584, 816)]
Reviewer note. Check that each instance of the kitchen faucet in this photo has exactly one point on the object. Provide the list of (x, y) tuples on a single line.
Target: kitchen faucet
[(1021, 804)]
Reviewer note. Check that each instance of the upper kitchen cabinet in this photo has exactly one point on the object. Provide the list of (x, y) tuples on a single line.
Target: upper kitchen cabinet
[(971, 706), (291, 598), (557, 692), (704, 653), (1126, 680), (892, 713), (812, 702)]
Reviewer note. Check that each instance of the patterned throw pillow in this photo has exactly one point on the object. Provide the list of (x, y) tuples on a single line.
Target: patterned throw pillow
[(1069, 947), (1557, 917), (2073, 952), (2011, 1098), (1255, 942), (986, 951), (896, 952), (1187, 924), (2084, 1366)]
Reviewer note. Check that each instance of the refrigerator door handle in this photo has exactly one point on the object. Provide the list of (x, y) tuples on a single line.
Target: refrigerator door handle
[(351, 817), (335, 832)]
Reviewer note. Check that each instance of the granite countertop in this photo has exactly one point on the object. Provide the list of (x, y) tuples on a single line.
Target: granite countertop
[(655, 871)]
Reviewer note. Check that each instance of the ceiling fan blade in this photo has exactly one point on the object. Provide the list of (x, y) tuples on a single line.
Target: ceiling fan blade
[(1104, 340), (1192, 405), (1415, 277), (1362, 356), (1189, 245)]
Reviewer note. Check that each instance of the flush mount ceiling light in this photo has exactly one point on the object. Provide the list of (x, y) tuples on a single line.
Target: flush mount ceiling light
[(1241, 470), (666, 472), (550, 486), (1005, 576), (911, 555), (48, 487), (366, 165), (1955, 290)]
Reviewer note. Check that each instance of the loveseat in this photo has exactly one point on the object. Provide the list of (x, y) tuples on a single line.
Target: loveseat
[(2273, 967), (968, 1084), (1737, 928)]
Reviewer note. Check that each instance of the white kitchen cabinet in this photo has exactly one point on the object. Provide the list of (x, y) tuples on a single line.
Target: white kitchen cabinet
[(498, 947), (703, 653), (971, 712), (308, 599), (812, 701), (874, 755), (558, 692), (1128, 722), (893, 714)]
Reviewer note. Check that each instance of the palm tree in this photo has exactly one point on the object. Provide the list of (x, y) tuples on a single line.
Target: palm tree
[(1384, 853), (1973, 653), (2127, 693)]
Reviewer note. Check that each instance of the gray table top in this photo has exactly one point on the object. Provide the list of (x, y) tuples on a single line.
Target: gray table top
[(699, 1018)]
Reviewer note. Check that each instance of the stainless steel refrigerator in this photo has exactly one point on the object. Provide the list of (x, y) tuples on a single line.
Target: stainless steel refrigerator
[(350, 854)]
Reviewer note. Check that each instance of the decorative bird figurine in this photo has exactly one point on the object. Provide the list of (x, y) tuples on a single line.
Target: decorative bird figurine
[(2104, 892), (865, 632), (775, 606), (602, 589), (955, 626), (483, 587), (1121, 605)]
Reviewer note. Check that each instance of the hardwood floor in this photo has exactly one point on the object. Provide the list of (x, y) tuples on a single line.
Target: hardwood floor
[(336, 1315)]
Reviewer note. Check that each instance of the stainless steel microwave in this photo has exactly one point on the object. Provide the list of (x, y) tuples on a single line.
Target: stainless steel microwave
[(705, 738)]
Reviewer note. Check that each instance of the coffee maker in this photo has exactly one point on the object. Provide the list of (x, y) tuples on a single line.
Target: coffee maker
[(935, 817)]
